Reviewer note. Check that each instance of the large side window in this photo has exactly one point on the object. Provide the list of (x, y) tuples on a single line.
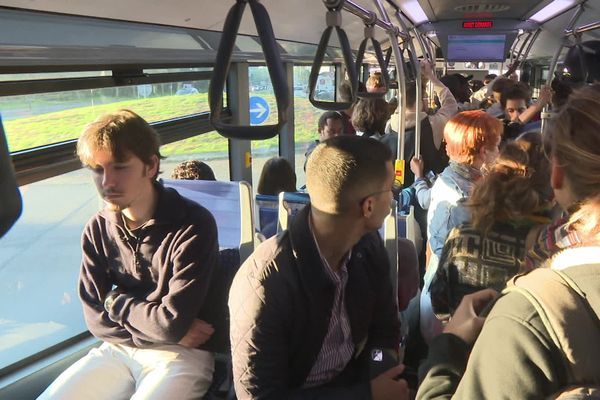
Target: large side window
[(45, 118), (306, 116), (209, 147), (39, 266), (263, 110)]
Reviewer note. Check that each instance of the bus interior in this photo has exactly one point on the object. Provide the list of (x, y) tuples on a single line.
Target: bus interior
[(214, 89)]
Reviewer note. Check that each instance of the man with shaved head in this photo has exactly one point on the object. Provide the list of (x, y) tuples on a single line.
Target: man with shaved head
[(312, 306)]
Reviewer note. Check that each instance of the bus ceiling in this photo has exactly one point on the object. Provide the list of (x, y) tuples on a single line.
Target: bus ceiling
[(436, 18)]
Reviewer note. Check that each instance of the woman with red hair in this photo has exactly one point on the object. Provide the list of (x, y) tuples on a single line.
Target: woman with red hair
[(472, 139)]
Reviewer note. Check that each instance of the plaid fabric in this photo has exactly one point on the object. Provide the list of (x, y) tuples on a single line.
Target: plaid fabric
[(552, 239)]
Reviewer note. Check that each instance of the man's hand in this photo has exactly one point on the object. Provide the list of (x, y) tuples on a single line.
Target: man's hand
[(417, 166), (466, 322), (512, 68), (427, 71), (545, 96), (386, 387), (198, 334)]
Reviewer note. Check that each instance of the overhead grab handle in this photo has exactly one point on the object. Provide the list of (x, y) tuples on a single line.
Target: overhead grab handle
[(334, 21), (388, 56), (274, 65), (370, 35)]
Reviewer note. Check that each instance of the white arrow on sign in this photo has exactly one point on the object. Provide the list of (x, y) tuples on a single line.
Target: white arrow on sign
[(260, 109)]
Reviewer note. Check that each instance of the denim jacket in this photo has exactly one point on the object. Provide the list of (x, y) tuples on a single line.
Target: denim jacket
[(447, 208)]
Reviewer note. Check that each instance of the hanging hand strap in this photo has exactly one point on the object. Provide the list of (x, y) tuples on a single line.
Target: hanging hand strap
[(334, 21), (274, 64), (370, 36)]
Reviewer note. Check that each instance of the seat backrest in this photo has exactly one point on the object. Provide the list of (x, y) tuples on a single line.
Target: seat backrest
[(266, 214), (408, 272), (289, 205), (406, 225), (389, 233), (230, 204)]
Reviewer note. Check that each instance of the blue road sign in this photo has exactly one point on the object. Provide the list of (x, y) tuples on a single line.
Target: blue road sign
[(259, 110)]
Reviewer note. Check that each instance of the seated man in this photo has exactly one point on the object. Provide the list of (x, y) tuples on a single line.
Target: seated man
[(148, 261), (331, 123), (311, 306)]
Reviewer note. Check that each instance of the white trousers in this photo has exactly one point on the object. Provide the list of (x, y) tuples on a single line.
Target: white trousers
[(120, 372)]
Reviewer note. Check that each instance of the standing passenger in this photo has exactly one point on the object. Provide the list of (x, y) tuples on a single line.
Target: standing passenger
[(432, 127), (331, 123), (472, 139), (310, 307), (148, 259), (515, 356), (369, 117), (345, 96)]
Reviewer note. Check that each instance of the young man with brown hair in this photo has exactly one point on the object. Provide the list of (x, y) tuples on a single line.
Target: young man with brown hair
[(311, 306), (148, 261)]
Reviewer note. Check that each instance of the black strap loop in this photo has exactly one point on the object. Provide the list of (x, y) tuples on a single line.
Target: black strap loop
[(380, 60), (10, 198), (388, 56), (316, 67), (274, 64)]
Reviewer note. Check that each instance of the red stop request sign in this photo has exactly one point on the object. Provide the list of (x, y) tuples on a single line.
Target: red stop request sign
[(478, 24)]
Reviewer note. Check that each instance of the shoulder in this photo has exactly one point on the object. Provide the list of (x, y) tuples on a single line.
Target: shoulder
[(97, 226), (266, 260)]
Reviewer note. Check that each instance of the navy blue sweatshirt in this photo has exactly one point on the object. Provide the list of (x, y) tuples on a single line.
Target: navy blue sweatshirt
[(162, 276)]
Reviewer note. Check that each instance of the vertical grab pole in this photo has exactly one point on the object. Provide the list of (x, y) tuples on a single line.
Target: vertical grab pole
[(426, 50), (398, 59), (418, 91), (572, 22), (530, 45)]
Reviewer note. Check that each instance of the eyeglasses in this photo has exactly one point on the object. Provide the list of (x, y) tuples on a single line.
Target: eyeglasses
[(374, 194)]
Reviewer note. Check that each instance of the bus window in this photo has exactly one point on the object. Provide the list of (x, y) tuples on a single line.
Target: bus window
[(34, 120), (263, 111), (209, 147), (39, 266), (306, 117)]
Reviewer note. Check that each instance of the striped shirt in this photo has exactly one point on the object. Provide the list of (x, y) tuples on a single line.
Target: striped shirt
[(338, 347)]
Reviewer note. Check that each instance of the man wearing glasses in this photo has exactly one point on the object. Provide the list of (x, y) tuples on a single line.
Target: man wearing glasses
[(313, 307)]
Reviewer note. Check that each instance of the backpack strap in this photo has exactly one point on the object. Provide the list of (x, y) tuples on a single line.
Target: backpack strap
[(568, 318)]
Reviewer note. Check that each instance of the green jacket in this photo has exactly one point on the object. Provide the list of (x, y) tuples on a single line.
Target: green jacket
[(513, 357)]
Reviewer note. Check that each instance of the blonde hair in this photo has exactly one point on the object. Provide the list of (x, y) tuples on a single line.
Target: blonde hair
[(574, 139), (375, 82)]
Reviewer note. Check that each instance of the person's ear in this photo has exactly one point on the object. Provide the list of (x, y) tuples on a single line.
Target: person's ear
[(152, 168), (367, 207)]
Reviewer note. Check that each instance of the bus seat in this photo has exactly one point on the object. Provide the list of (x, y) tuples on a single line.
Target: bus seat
[(222, 382), (266, 213), (230, 204), (409, 229), (408, 272), (289, 205), (389, 233)]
